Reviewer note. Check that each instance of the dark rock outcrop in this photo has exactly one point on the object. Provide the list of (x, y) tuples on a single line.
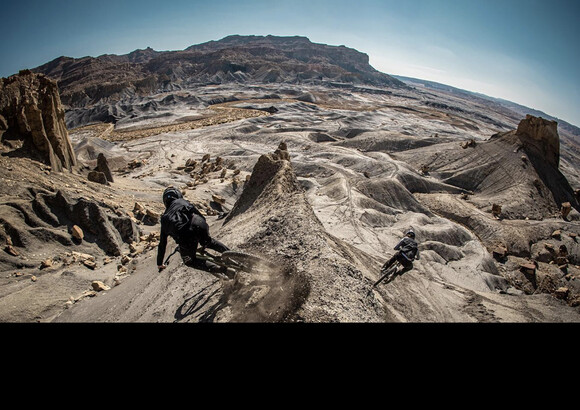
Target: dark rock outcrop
[(45, 220), (98, 177), (103, 166), (32, 120)]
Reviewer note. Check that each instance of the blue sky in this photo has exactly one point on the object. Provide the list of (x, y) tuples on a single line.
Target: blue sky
[(525, 51)]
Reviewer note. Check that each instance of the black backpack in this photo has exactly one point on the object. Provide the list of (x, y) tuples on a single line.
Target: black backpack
[(409, 248), (177, 217)]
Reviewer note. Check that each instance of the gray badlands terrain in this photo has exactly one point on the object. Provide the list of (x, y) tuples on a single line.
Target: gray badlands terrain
[(298, 152)]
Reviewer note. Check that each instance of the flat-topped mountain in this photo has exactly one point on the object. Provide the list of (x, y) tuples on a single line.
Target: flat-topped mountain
[(264, 59)]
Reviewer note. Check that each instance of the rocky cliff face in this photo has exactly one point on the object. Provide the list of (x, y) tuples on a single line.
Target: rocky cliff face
[(540, 136), (32, 120)]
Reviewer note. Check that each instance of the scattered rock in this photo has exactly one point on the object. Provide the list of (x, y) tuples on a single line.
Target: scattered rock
[(469, 143), (565, 209), (271, 109), (220, 200), (136, 163), (529, 268), (99, 286), (77, 232), (81, 256), (126, 259), (47, 263), (138, 208), (500, 253), (562, 292), (11, 251), (152, 216), (145, 215)]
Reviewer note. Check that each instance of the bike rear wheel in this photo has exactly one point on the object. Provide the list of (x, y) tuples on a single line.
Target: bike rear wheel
[(246, 262)]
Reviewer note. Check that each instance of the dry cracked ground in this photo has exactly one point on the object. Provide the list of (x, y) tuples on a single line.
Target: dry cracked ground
[(329, 217)]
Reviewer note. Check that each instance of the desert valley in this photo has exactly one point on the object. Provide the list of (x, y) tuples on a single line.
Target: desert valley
[(300, 153)]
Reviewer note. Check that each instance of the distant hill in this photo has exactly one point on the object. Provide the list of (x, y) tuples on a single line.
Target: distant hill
[(521, 110), (89, 80)]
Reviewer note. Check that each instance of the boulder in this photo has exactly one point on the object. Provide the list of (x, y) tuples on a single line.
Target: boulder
[(500, 252), (77, 232), (99, 177), (99, 286), (152, 216), (562, 292), (528, 267), (219, 199), (11, 251), (565, 209)]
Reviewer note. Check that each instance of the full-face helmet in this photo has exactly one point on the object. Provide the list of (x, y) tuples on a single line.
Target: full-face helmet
[(171, 194)]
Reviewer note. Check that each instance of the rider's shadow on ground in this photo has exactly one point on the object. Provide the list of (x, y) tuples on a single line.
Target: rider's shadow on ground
[(197, 302)]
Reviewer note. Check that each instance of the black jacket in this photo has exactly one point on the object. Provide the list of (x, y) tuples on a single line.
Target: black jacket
[(175, 223)]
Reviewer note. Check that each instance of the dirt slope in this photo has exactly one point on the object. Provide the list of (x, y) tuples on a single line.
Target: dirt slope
[(321, 278)]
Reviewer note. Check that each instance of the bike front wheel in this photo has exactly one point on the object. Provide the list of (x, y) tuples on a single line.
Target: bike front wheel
[(247, 262)]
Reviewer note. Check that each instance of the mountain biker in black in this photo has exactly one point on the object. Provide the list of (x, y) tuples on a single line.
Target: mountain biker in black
[(188, 227), (407, 252)]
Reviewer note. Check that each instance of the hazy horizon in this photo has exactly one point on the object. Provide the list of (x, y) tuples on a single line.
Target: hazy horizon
[(522, 51)]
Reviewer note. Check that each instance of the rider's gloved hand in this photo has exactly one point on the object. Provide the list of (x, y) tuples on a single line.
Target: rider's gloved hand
[(161, 267)]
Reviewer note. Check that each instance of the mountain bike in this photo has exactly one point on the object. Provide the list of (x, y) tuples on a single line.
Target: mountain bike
[(388, 274), (236, 260)]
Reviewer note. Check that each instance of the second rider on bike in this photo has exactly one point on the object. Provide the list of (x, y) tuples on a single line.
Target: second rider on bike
[(407, 252)]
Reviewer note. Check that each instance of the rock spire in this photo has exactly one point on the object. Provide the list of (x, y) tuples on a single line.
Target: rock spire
[(32, 120)]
